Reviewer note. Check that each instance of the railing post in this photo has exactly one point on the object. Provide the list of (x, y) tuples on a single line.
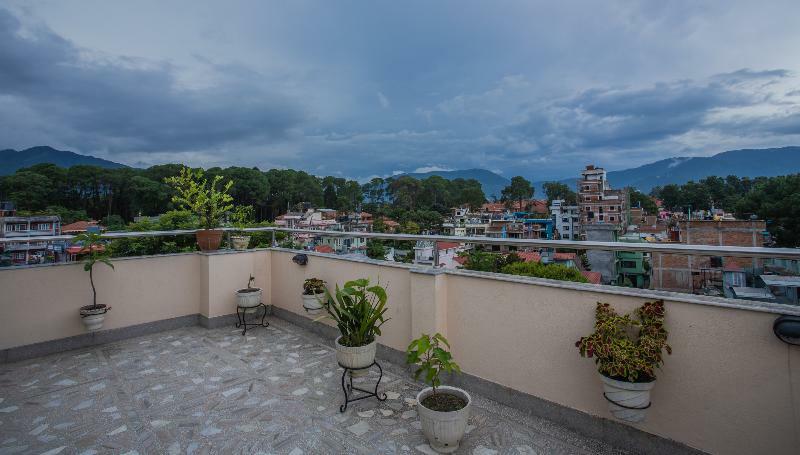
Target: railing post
[(273, 240)]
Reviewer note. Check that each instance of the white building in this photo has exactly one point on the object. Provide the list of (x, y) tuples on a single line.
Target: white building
[(567, 219), (448, 251)]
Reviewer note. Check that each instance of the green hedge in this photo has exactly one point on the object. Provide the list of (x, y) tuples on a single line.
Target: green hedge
[(551, 271)]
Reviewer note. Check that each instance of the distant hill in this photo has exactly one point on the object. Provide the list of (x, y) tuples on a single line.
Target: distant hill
[(679, 170), (11, 160), (491, 183)]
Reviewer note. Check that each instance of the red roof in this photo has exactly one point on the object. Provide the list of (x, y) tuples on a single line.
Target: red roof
[(78, 226), (461, 259), (447, 245), (564, 256), (79, 249), (530, 256), (593, 277), (324, 249)]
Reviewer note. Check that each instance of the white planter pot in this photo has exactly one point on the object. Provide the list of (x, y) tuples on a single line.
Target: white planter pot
[(248, 298), (444, 430), (356, 357), (92, 319), (313, 303), (627, 395), (240, 242)]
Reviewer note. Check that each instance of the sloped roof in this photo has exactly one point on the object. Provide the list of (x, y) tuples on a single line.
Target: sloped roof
[(593, 277), (324, 249), (78, 226)]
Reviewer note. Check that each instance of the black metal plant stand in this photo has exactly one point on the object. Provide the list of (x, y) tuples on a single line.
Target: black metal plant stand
[(241, 313), (348, 387)]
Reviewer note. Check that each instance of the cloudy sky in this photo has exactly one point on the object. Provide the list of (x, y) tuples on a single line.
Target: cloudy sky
[(368, 88)]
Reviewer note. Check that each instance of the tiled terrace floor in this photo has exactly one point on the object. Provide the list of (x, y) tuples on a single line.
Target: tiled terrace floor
[(193, 390)]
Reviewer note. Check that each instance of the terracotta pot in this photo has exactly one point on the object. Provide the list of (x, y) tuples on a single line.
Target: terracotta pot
[(209, 239), (356, 357), (92, 318), (627, 401), (444, 430), (248, 298), (240, 242)]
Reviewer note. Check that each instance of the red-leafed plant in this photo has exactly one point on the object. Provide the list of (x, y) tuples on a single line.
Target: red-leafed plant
[(627, 347)]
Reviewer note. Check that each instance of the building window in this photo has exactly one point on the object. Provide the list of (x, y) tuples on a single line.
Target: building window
[(566, 228), (601, 217), (611, 218), (628, 265)]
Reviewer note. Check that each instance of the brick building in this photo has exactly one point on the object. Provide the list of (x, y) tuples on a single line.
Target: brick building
[(597, 202), (690, 273)]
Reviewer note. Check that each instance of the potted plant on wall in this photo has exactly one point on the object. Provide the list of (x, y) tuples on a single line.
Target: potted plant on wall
[(358, 309), (241, 217), (443, 410), (627, 350), (208, 200), (93, 315), (250, 296), (314, 297)]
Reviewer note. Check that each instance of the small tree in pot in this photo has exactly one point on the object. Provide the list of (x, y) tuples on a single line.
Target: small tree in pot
[(358, 309), (443, 410), (314, 296), (242, 216), (208, 200), (627, 351), (93, 315)]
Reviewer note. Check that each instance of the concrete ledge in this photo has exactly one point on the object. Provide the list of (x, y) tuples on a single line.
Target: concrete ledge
[(606, 430), (29, 351)]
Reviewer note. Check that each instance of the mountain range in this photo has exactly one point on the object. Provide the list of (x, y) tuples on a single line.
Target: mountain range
[(743, 163), (11, 160)]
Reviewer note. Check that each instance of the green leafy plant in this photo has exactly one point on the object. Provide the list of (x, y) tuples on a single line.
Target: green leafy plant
[(242, 216), (550, 271), (313, 286), (625, 347), (208, 200), (358, 310), (92, 243), (431, 357)]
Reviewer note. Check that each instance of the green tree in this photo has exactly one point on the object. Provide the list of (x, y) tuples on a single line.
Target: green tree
[(519, 190), (558, 190), (639, 199), (376, 249)]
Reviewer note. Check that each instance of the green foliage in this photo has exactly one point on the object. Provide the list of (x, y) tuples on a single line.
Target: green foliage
[(489, 262), (113, 223), (376, 249), (95, 252), (358, 309), (431, 355), (549, 271), (558, 190), (639, 199), (205, 199), (242, 216), (518, 190), (625, 347), (176, 219), (312, 286)]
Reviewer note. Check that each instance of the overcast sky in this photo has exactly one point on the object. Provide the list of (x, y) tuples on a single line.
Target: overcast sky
[(368, 88)]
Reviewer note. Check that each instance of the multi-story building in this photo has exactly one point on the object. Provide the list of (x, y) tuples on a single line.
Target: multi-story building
[(26, 252), (567, 220), (597, 202)]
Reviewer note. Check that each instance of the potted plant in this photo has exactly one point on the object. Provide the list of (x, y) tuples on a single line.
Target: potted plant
[(627, 349), (205, 199), (93, 315), (358, 310), (241, 217), (250, 296), (314, 295), (443, 410)]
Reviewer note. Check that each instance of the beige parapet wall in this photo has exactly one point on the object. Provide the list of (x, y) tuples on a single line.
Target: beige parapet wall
[(730, 386)]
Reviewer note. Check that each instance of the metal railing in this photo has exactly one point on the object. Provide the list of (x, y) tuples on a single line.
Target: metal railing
[(669, 248)]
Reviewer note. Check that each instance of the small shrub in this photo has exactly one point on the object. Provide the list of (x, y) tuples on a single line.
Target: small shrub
[(620, 350), (313, 286), (550, 271), (358, 310)]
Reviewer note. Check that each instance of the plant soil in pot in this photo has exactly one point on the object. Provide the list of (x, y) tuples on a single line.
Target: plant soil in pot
[(240, 242), (444, 416), (92, 316), (356, 356), (209, 239), (627, 400)]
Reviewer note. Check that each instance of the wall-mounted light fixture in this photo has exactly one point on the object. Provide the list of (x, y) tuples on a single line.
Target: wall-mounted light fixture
[(300, 259), (787, 329)]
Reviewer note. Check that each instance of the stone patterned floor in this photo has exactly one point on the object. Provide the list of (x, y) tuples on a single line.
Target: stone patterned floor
[(275, 391)]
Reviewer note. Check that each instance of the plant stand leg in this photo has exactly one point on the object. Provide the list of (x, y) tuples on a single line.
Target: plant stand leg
[(241, 318), (348, 387)]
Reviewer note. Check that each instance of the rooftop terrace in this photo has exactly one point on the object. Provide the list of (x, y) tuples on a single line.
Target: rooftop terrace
[(170, 374), (275, 390)]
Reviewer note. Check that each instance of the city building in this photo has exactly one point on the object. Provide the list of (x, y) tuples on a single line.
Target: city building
[(567, 220), (447, 254), (26, 252), (597, 202)]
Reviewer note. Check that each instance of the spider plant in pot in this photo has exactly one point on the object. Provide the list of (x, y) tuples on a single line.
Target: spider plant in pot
[(358, 309), (250, 296), (208, 200), (443, 410), (242, 216), (314, 295), (627, 350), (93, 315)]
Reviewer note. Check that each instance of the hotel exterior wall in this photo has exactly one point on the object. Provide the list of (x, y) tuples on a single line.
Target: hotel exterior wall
[(41, 303), (726, 388), (288, 278)]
